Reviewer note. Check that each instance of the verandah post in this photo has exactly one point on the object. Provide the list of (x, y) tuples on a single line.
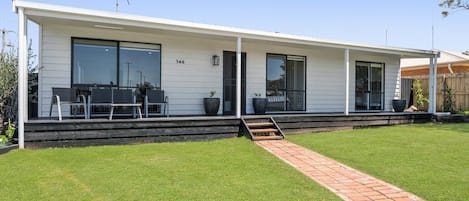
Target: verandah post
[(432, 84), (347, 78), (22, 75), (238, 78)]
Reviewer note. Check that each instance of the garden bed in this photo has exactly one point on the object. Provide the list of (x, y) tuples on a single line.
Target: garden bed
[(450, 118), (6, 148)]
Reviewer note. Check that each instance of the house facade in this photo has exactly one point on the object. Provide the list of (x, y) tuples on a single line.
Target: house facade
[(297, 78), (88, 48)]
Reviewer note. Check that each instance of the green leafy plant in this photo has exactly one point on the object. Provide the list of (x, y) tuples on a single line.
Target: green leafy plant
[(448, 103), (8, 86), (10, 131), (465, 113), (420, 99), (212, 93)]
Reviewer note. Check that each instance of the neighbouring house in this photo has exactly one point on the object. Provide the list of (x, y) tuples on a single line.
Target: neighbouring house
[(449, 62), (453, 67), (297, 74)]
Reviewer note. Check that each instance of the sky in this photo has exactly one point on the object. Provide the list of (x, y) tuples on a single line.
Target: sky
[(408, 23)]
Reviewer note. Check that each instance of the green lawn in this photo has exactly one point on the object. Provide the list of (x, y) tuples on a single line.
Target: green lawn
[(233, 169), (429, 160)]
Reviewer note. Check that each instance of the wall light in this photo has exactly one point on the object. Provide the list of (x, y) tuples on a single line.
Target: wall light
[(215, 60)]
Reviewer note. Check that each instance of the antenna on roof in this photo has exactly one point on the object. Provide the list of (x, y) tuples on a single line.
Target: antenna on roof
[(386, 37), (117, 5), (433, 37), (433, 29)]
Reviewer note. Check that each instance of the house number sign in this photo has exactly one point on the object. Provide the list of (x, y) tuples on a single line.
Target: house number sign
[(180, 61)]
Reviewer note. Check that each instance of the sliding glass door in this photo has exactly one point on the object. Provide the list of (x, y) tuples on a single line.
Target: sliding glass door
[(369, 92), (286, 82)]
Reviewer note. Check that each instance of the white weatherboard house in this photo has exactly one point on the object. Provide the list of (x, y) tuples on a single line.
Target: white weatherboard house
[(80, 47)]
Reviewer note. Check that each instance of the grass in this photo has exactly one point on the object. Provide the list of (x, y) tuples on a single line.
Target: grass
[(233, 169), (430, 160)]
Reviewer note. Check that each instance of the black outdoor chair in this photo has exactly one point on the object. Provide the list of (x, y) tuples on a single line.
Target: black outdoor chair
[(100, 98), (66, 96), (124, 98), (156, 97)]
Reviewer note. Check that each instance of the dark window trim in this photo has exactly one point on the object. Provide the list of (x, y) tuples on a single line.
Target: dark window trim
[(286, 87), (118, 57), (383, 84)]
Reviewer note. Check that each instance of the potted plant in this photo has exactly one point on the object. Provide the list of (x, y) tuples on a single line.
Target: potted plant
[(398, 105), (211, 104), (259, 104)]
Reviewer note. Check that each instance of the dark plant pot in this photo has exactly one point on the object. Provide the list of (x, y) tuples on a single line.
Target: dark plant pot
[(211, 106), (259, 105), (398, 105)]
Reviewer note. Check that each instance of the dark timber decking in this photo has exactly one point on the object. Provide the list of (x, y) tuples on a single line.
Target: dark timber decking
[(74, 132)]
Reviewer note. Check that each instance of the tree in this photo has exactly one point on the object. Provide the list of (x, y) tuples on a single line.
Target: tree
[(453, 5), (8, 86)]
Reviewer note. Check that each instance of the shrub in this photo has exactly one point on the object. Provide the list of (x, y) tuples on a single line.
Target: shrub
[(8, 86), (448, 103), (420, 99), (10, 131)]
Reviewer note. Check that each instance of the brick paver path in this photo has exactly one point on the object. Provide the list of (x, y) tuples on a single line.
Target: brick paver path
[(346, 182)]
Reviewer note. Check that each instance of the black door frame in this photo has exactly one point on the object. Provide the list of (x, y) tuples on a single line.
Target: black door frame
[(383, 91), (226, 62)]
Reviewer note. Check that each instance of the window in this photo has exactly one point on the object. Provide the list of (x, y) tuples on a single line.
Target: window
[(286, 83), (113, 63), (94, 62), (369, 92), (139, 64)]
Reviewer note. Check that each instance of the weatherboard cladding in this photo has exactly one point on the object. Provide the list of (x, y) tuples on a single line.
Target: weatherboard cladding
[(187, 84)]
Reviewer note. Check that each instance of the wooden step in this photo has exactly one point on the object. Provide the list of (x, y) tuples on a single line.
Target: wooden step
[(275, 137), (264, 130), (259, 124)]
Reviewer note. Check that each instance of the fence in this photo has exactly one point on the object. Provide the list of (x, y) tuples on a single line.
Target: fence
[(459, 85)]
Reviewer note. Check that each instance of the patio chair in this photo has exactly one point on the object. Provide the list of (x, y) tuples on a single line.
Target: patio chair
[(99, 97), (124, 98), (156, 97), (66, 96)]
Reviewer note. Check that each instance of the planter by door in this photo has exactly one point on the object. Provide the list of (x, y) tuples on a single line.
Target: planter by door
[(398, 105), (211, 106), (259, 105)]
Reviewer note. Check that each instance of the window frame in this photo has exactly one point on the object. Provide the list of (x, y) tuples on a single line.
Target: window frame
[(72, 84), (383, 84), (286, 82)]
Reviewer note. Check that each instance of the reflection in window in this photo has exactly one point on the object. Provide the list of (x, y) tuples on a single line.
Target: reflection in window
[(285, 83), (94, 62), (369, 93), (139, 64)]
